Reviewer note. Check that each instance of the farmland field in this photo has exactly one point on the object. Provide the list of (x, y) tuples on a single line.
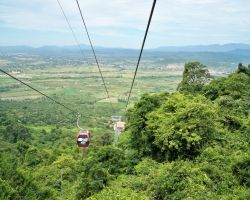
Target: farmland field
[(84, 81), (78, 86)]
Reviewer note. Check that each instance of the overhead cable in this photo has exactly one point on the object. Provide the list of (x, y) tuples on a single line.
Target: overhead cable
[(139, 59), (94, 53)]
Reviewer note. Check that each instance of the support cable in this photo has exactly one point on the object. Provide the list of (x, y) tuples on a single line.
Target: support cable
[(70, 27), (139, 59), (94, 53)]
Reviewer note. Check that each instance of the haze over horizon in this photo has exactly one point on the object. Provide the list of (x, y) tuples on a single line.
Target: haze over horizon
[(175, 23)]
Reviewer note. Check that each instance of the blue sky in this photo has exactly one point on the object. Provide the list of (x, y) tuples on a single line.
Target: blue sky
[(121, 23)]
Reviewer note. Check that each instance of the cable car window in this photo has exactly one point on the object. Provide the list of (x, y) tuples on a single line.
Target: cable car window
[(83, 136)]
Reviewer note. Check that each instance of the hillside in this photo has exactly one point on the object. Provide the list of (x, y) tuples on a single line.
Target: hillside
[(190, 144)]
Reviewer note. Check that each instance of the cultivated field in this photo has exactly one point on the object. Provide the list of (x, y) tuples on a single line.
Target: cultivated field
[(84, 82)]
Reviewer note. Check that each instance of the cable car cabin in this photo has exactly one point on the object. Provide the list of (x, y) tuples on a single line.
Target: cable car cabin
[(83, 139)]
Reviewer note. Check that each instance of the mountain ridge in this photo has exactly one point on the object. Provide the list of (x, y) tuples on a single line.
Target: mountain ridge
[(189, 48)]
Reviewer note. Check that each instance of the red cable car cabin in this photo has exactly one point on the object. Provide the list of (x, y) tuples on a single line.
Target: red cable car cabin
[(83, 139)]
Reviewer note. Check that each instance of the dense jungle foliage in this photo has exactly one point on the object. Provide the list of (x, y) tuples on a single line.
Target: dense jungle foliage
[(191, 144)]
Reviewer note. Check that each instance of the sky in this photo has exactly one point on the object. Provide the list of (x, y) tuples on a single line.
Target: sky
[(122, 23)]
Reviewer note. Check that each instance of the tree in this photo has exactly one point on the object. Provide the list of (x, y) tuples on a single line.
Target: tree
[(195, 76), (183, 125), (242, 171), (243, 69), (232, 94), (103, 139), (139, 138), (33, 157), (15, 132), (180, 180), (6, 191), (101, 165), (22, 148)]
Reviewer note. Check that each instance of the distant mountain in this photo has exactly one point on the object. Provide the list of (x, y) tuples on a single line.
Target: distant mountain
[(237, 47), (67, 50), (205, 48), (70, 47)]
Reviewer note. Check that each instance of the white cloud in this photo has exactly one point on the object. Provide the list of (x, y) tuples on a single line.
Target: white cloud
[(173, 21)]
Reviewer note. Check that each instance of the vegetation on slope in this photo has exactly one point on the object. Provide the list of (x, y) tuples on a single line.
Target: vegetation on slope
[(191, 144)]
